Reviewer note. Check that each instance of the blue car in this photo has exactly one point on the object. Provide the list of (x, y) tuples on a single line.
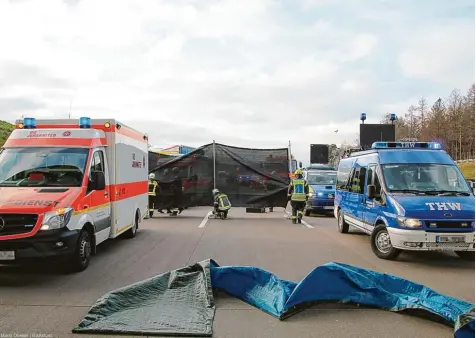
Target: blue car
[(406, 196), (322, 189)]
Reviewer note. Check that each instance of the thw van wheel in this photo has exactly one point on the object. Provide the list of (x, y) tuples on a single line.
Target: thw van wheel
[(466, 255), (82, 254), (342, 225), (381, 244)]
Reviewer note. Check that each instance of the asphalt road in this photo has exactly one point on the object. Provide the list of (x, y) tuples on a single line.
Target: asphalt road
[(42, 300)]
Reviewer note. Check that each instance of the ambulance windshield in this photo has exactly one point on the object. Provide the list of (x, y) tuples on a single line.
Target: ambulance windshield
[(424, 178), (42, 167)]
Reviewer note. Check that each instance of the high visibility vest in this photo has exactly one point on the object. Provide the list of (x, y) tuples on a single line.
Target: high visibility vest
[(152, 187), (223, 202), (298, 194)]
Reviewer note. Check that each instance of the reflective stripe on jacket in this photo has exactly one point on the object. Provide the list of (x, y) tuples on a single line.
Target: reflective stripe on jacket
[(298, 190), (223, 202), (153, 184)]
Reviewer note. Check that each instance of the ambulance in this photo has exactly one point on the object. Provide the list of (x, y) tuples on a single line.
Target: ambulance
[(67, 186)]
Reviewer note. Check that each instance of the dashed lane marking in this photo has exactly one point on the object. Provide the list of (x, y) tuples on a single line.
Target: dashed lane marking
[(288, 216), (205, 220)]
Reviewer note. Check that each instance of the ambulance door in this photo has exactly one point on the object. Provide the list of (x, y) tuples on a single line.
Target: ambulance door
[(100, 208)]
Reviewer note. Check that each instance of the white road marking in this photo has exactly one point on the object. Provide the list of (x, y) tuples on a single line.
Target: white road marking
[(288, 216), (205, 220)]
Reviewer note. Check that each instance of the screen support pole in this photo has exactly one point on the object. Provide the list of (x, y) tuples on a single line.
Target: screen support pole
[(214, 165), (290, 159)]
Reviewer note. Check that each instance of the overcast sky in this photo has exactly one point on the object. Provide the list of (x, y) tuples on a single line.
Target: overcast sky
[(253, 73)]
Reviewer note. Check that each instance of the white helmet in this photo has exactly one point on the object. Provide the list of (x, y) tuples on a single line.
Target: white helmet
[(152, 176), (215, 191)]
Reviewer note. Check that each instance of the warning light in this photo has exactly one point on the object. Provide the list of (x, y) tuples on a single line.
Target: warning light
[(29, 123), (363, 117), (84, 122), (20, 125), (107, 124), (407, 145)]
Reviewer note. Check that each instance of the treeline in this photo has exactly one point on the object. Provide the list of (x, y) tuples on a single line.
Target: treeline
[(449, 121), (5, 131)]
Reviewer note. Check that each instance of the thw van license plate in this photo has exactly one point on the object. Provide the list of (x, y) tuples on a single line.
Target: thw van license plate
[(7, 255), (449, 239)]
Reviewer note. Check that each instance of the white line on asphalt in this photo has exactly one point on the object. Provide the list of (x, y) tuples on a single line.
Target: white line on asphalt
[(205, 220), (302, 221)]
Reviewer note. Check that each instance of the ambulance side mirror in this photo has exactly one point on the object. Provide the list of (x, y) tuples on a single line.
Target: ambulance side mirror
[(97, 181), (300, 164)]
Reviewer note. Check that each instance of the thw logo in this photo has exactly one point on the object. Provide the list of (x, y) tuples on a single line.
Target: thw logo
[(444, 206)]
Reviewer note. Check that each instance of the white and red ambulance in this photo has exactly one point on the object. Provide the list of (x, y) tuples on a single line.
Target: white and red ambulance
[(68, 185)]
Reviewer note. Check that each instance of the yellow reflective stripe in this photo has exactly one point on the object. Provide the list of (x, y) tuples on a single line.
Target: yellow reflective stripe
[(83, 211)]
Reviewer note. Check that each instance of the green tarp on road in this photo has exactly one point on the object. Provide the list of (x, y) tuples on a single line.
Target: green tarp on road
[(176, 303)]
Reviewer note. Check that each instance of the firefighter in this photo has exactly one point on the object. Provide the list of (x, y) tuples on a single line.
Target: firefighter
[(153, 184), (298, 192), (221, 203)]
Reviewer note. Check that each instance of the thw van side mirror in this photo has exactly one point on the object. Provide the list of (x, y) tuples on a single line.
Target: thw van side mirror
[(300, 164), (371, 191), (97, 181)]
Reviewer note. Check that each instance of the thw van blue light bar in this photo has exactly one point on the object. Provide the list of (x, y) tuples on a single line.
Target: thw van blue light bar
[(29, 123), (406, 145), (85, 122)]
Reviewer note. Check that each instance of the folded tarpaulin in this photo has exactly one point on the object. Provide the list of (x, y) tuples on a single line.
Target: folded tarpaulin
[(181, 303), (176, 303)]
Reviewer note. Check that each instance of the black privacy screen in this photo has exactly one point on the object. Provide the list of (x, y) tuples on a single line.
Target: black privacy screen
[(250, 177), (370, 133)]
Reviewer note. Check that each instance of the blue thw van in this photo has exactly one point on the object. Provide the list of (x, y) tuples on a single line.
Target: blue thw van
[(322, 189), (407, 196)]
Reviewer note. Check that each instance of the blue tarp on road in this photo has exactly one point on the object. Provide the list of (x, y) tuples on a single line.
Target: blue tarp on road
[(340, 283), (181, 303)]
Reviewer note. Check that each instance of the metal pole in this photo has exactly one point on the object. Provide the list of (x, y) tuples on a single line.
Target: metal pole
[(290, 158), (214, 166)]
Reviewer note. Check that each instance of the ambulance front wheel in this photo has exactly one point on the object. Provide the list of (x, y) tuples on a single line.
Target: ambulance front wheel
[(381, 244), (82, 254)]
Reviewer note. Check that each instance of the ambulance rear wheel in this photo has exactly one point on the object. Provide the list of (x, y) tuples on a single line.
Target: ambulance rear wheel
[(466, 255), (82, 254), (342, 225), (131, 233), (381, 244)]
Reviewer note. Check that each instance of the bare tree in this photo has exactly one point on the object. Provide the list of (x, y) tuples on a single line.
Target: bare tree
[(421, 110), (450, 122)]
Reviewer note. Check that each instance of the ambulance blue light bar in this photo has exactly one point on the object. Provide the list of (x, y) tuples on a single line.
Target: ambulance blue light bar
[(406, 145), (85, 122), (29, 123)]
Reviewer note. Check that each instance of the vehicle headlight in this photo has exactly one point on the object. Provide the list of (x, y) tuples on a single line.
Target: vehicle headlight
[(57, 219), (409, 222), (320, 194)]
